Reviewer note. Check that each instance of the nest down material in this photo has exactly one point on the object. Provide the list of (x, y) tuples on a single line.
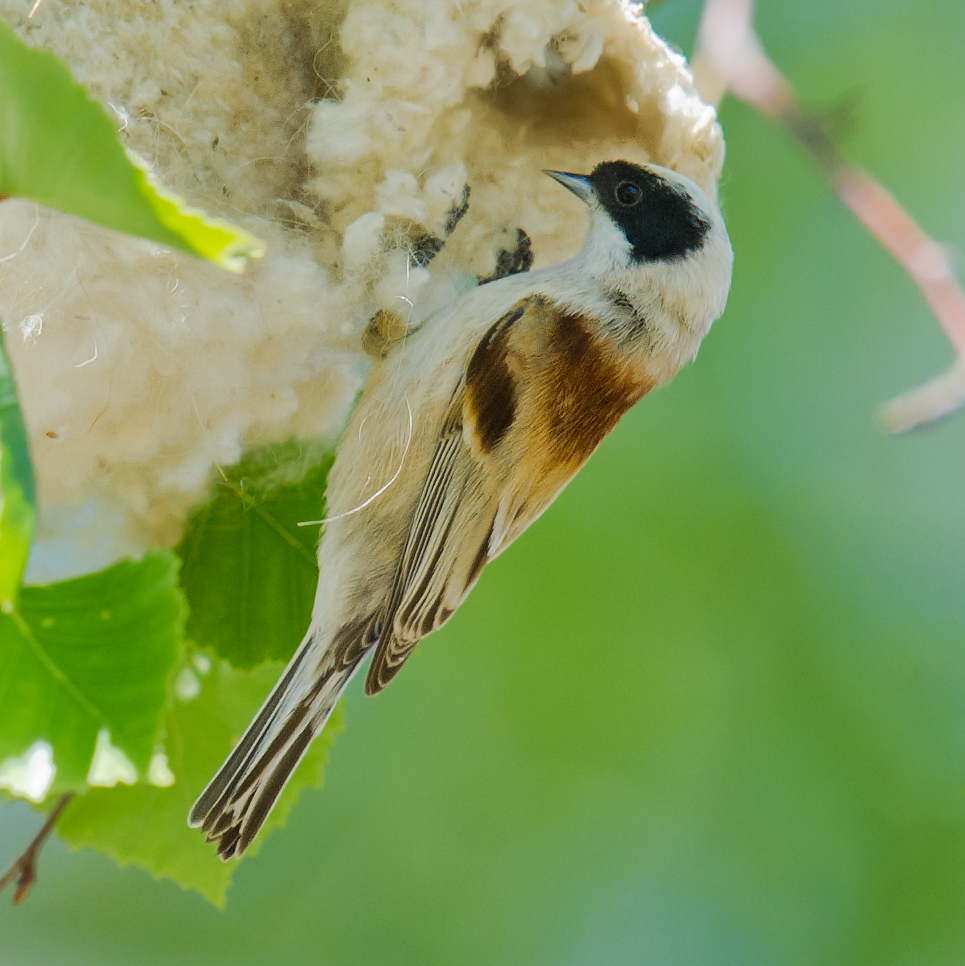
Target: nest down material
[(337, 130)]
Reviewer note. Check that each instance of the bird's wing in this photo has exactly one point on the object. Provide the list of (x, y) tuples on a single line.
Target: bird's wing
[(536, 398), (577, 386), (448, 541)]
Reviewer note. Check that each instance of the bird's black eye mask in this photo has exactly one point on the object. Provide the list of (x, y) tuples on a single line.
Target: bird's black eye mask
[(660, 222)]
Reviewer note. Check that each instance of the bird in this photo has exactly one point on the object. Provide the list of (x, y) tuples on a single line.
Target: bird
[(466, 431)]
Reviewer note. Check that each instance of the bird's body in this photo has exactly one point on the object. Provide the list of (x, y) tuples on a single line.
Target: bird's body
[(465, 433)]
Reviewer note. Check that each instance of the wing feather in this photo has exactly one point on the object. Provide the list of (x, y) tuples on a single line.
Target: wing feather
[(445, 549), (425, 567), (536, 398)]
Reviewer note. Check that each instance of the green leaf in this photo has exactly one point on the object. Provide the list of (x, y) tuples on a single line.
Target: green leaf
[(16, 488), (147, 826), (249, 570), (90, 654), (59, 147)]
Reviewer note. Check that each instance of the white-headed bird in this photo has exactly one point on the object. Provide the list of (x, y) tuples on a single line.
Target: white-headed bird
[(466, 431)]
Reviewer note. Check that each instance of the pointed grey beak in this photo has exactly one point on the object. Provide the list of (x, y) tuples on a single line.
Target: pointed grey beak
[(579, 184)]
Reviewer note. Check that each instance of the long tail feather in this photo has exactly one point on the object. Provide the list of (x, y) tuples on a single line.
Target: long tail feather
[(241, 795)]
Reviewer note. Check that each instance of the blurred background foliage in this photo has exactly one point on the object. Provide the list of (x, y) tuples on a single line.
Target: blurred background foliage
[(711, 709)]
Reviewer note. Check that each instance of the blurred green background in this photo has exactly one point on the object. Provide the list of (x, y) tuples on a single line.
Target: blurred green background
[(711, 710)]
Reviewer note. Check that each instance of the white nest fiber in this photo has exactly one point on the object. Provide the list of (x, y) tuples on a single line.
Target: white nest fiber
[(331, 129)]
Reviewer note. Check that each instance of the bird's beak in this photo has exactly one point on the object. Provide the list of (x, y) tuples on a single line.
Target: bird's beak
[(579, 184)]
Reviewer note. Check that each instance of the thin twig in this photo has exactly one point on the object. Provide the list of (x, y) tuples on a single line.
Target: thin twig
[(730, 56), (24, 870)]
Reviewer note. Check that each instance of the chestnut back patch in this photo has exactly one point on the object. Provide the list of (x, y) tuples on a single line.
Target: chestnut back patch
[(586, 392)]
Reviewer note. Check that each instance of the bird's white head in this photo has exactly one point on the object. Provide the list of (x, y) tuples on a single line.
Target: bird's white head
[(651, 227)]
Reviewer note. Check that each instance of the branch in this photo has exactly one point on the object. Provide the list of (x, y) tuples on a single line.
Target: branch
[(730, 56), (24, 870)]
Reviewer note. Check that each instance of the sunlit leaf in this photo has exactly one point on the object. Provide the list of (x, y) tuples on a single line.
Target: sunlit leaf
[(90, 654), (59, 147), (16, 488), (249, 569), (147, 826)]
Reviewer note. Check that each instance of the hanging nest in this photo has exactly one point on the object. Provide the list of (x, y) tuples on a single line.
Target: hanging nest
[(343, 133)]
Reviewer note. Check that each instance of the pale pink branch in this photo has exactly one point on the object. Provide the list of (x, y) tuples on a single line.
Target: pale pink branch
[(730, 56), (944, 395), (920, 255), (730, 51)]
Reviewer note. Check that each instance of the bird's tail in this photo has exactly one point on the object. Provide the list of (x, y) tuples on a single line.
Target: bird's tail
[(238, 799)]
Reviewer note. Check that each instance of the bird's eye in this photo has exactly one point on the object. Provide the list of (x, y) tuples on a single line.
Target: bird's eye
[(628, 193)]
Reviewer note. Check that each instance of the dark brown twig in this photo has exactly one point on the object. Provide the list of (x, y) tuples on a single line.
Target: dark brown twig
[(24, 870), (730, 56)]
